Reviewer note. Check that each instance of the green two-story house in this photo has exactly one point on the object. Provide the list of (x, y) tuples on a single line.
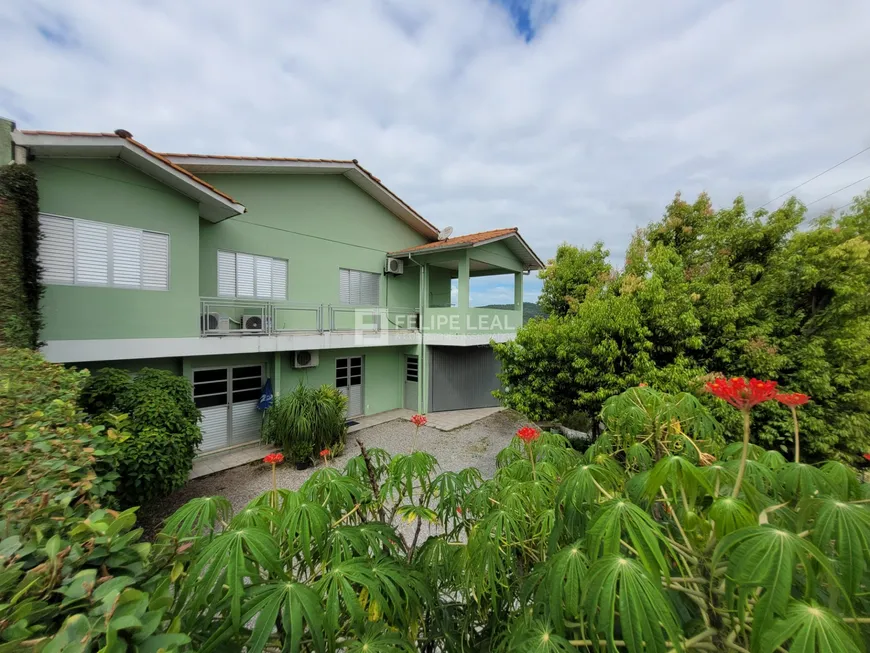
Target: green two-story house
[(234, 270)]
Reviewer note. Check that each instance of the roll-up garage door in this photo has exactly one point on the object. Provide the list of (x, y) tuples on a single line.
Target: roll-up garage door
[(463, 377)]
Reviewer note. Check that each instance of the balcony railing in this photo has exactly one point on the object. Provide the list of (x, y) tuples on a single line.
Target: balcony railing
[(241, 317)]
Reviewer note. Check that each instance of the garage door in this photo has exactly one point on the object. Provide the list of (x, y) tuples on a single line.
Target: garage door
[(227, 398), (463, 377)]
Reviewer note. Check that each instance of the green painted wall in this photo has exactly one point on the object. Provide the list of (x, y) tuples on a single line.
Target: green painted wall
[(319, 223), (383, 375), (107, 190), (6, 154), (497, 254), (439, 286)]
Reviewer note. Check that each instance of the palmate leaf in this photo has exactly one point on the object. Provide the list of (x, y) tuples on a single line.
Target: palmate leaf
[(617, 585), (619, 519), (768, 557), (580, 492), (300, 611), (377, 638), (843, 480), (450, 490), (281, 499), (334, 491), (440, 560), (761, 478), (558, 583), (678, 474), (397, 591), (802, 481), (638, 457), (305, 529), (734, 450), (363, 540), (356, 467), (198, 517), (234, 559), (842, 528), (337, 588), (405, 472), (810, 628), (731, 515), (773, 460), (486, 569), (535, 636)]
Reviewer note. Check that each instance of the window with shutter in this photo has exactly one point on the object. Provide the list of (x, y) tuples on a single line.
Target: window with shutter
[(126, 257), (56, 253), (357, 288), (246, 275), (226, 274), (83, 252), (92, 253), (155, 261), (279, 279), (264, 277)]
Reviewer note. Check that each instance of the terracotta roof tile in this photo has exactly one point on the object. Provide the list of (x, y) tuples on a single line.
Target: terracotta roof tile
[(160, 157), (468, 239)]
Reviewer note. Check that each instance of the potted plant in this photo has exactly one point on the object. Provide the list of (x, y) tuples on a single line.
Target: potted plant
[(307, 420)]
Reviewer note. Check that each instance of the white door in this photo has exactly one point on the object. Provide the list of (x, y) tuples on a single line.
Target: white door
[(349, 381), (227, 398)]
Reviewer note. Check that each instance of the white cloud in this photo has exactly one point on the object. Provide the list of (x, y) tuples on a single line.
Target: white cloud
[(579, 135)]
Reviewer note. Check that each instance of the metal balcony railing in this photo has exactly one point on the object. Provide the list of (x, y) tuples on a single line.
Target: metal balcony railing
[(240, 317)]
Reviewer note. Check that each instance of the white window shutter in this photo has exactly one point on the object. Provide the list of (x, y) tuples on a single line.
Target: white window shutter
[(155, 261), (226, 262), (126, 257), (56, 253), (244, 275), (279, 279), (264, 277), (344, 286), (370, 288), (92, 252)]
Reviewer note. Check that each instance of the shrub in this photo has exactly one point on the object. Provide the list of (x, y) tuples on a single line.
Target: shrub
[(647, 542), (163, 420), (73, 574), (306, 421)]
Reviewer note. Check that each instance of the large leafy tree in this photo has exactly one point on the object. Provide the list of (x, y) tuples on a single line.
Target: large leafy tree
[(707, 291)]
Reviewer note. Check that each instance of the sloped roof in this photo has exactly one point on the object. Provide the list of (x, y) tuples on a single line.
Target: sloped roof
[(512, 235), (349, 168), (215, 205)]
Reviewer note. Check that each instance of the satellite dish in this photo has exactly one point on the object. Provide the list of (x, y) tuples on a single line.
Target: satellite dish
[(445, 233)]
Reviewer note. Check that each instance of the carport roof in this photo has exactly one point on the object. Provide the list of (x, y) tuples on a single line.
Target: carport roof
[(511, 237)]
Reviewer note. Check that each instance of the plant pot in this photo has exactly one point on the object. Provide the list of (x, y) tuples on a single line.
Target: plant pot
[(303, 464)]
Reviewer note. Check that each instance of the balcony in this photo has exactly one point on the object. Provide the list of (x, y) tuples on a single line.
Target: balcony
[(250, 317), (472, 321)]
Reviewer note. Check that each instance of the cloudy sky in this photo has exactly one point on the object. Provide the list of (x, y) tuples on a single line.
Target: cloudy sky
[(573, 120)]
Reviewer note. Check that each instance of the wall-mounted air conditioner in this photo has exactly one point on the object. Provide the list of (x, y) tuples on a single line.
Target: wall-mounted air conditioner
[(255, 322), (394, 266), (214, 323), (303, 359)]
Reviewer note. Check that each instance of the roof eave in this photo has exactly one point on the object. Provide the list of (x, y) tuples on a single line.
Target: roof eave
[(532, 261), (213, 206), (349, 169)]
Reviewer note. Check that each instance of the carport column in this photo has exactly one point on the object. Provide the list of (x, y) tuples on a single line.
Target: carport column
[(276, 374), (464, 284), (518, 291)]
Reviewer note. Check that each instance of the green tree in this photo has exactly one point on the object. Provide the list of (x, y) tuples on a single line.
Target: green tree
[(571, 275)]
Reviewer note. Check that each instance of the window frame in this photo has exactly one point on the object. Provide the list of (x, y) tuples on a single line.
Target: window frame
[(254, 297), (379, 277), (110, 260)]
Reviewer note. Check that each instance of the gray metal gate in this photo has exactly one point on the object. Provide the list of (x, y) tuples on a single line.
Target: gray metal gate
[(463, 377)]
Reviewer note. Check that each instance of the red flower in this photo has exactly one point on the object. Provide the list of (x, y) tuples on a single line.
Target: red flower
[(741, 394), (793, 399), (528, 434), (641, 385), (867, 456), (459, 508), (419, 420), (274, 458), (325, 453)]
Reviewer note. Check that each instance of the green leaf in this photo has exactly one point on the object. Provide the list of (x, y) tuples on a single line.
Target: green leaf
[(809, 628), (730, 515), (842, 528), (621, 594)]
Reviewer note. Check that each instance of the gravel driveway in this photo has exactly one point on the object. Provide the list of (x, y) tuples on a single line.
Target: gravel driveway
[(474, 445)]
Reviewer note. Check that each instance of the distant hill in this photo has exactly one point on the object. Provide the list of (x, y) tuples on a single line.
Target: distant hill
[(530, 310)]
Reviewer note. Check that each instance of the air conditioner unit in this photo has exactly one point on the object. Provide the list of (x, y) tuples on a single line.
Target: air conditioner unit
[(395, 266), (214, 323), (255, 322), (305, 359)]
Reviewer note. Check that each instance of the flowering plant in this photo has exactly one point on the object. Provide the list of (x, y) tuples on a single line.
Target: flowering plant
[(528, 434), (792, 400), (741, 394), (274, 458), (419, 420)]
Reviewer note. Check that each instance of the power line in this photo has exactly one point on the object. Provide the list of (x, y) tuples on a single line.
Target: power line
[(814, 178), (838, 190)]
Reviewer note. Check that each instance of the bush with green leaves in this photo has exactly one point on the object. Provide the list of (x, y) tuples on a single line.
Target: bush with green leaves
[(73, 574), (157, 408), (660, 537), (306, 421)]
